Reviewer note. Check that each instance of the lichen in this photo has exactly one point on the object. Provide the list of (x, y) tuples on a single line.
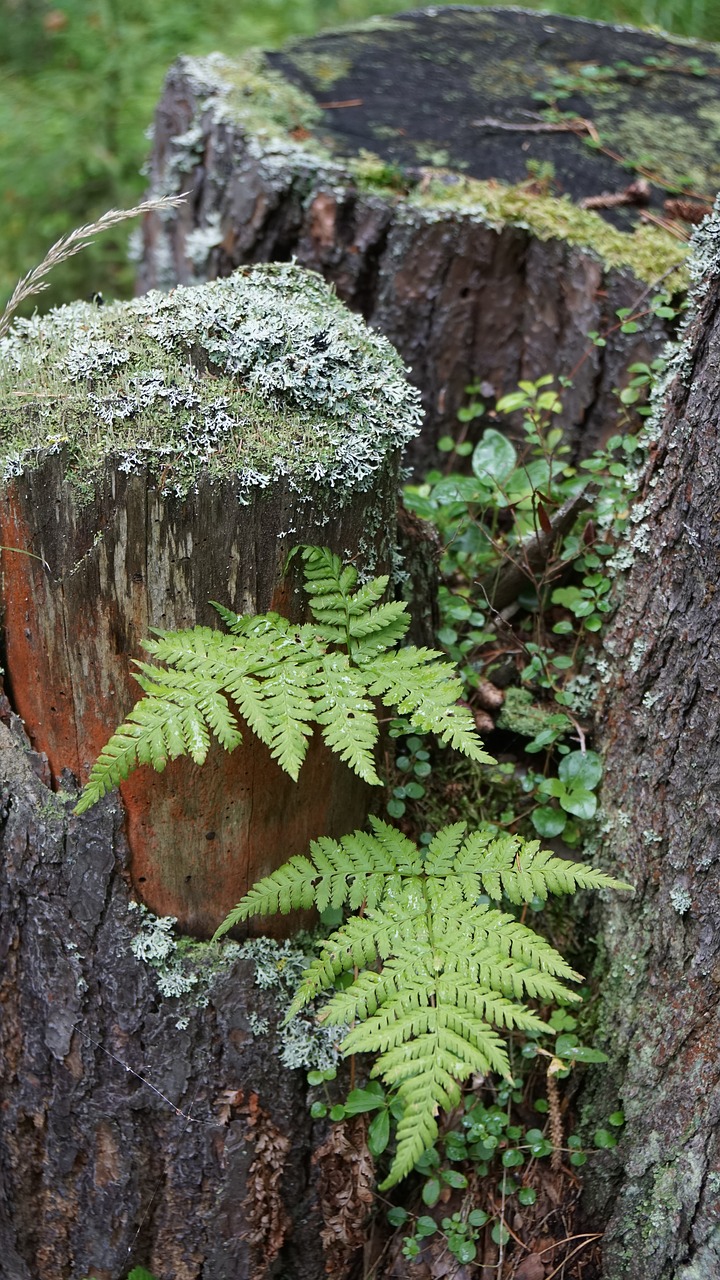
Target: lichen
[(155, 945), (258, 376), (681, 899), (302, 1041)]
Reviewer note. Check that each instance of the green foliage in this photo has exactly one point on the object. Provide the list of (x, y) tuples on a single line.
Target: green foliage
[(285, 678), (453, 969)]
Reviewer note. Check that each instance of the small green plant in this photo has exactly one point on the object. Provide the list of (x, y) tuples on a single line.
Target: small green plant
[(412, 768), (285, 678), (435, 968), (427, 972)]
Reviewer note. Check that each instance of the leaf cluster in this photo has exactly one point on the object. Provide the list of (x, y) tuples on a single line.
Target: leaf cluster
[(437, 972), (284, 679)]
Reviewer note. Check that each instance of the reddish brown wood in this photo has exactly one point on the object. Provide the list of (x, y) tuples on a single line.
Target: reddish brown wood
[(199, 837)]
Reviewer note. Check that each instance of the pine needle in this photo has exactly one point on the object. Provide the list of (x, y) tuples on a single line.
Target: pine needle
[(34, 282)]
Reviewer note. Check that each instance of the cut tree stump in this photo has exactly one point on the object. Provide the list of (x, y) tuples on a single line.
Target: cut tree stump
[(159, 455), (434, 167)]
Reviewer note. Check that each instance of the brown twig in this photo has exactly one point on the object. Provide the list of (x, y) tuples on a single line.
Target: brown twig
[(577, 1249), (578, 126), (671, 227), (334, 106)]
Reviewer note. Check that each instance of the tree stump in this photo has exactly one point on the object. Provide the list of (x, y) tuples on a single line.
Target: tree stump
[(161, 454), (437, 168), (658, 1191)]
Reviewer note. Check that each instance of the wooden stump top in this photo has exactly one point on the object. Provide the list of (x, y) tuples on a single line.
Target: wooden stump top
[(578, 108), (487, 187)]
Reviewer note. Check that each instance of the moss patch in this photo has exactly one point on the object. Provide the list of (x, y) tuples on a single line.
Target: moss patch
[(261, 375), (648, 252), (253, 94)]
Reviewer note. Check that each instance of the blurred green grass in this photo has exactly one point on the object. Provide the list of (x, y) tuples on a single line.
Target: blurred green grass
[(80, 79)]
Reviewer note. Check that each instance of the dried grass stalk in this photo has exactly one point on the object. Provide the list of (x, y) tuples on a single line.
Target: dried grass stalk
[(64, 248)]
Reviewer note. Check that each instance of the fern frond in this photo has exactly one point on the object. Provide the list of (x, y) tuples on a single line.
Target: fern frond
[(427, 1073), (392, 849), (359, 868), (521, 982), (388, 620), (290, 888), (426, 690), (437, 975), (517, 941), (173, 719), (347, 716), (288, 705), (522, 870), (442, 854), (367, 595), (327, 585), (359, 943)]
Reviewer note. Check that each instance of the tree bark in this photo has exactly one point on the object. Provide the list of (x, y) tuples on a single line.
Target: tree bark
[(659, 1191), (100, 1169), (344, 152)]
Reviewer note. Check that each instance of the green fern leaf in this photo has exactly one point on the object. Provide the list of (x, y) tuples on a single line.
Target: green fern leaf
[(171, 720), (384, 619), (289, 708), (349, 726), (367, 595), (393, 850), (522, 870), (437, 975), (442, 855), (426, 690), (290, 888)]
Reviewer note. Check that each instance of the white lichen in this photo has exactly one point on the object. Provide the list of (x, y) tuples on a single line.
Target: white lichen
[(681, 899), (302, 1042), (260, 376)]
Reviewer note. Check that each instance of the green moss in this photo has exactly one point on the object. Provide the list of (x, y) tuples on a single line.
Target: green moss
[(649, 252), (668, 144), (322, 68), (521, 714), (261, 375), (253, 94)]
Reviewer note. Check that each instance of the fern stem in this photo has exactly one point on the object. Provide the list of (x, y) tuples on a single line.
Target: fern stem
[(557, 1135)]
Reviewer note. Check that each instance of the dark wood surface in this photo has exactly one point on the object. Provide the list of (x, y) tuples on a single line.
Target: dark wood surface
[(440, 98), (98, 1171)]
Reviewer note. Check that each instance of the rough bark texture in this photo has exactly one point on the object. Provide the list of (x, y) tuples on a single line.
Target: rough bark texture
[(660, 1191), (99, 1173), (467, 291)]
